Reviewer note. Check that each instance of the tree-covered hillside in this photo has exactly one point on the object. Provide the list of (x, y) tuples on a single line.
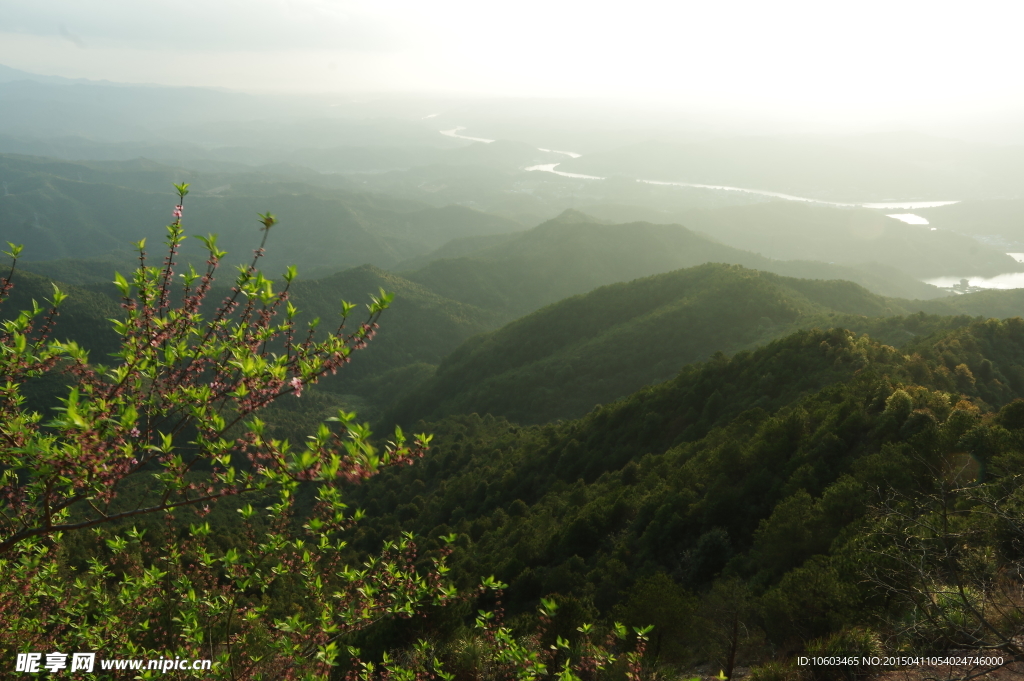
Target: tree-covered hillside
[(420, 329), (575, 253), (84, 317), (761, 468), (634, 336), (562, 360), (744, 485), (60, 210)]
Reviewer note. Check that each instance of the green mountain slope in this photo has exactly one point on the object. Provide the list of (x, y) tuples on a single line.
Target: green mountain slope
[(760, 468), (83, 317), (419, 326), (574, 254), (991, 303), (592, 349)]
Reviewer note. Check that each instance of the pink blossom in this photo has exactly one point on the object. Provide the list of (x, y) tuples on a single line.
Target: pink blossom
[(134, 432), (296, 383), (177, 211)]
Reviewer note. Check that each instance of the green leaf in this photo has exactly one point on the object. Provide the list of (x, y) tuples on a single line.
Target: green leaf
[(267, 219), (58, 296), (121, 283)]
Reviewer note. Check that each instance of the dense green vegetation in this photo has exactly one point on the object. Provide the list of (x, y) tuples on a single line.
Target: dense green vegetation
[(761, 468), (561, 361), (84, 320), (634, 337), (423, 329), (488, 280)]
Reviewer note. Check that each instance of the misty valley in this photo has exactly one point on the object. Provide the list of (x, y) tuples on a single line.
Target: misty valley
[(686, 404)]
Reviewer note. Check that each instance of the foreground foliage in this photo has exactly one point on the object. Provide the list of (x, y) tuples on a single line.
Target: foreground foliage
[(156, 517), (160, 436)]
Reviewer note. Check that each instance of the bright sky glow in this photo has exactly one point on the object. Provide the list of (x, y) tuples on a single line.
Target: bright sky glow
[(818, 58)]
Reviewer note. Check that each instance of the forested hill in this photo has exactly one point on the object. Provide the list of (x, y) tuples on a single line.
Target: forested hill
[(84, 317), (759, 467), (575, 253), (420, 326), (60, 209), (562, 360)]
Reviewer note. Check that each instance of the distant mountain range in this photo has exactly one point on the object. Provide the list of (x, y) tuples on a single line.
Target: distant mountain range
[(575, 253), (64, 210), (851, 236)]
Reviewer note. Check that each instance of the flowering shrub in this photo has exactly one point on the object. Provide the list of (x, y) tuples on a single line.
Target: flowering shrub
[(171, 428), (161, 436)]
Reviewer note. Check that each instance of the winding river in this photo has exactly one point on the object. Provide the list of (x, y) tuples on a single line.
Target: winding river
[(552, 168)]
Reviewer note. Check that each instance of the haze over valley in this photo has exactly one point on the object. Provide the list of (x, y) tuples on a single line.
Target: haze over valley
[(706, 337)]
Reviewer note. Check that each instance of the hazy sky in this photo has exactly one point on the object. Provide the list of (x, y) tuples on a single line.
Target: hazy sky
[(855, 58)]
